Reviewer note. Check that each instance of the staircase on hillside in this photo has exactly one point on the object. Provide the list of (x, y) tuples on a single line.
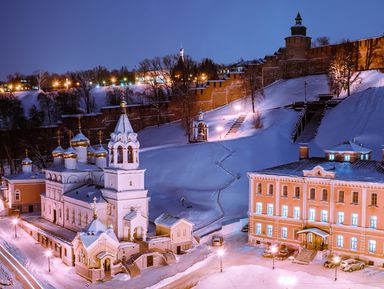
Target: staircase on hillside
[(310, 118), (312, 126), (236, 125), (305, 256)]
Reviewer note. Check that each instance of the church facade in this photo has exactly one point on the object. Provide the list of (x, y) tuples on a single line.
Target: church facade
[(94, 211)]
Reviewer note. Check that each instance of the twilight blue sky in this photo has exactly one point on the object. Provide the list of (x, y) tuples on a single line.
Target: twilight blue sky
[(62, 35)]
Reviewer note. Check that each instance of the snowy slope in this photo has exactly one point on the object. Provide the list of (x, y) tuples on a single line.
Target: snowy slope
[(360, 116), (212, 176)]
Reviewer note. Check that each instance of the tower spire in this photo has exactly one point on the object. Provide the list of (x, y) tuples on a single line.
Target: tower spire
[(26, 153), (94, 209), (298, 19), (58, 137), (123, 106), (100, 134), (79, 123)]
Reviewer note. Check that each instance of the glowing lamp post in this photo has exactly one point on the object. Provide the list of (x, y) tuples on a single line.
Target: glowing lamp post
[(15, 222), (48, 254), (336, 260), (273, 251), (220, 253)]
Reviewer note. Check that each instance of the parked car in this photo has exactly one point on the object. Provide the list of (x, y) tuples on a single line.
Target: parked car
[(351, 265), (217, 241), (245, 228), (284, 253)]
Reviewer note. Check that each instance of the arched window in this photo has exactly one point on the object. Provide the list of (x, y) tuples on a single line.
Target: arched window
[(325, 195), (119, 155), (111, 155), (130, 155)]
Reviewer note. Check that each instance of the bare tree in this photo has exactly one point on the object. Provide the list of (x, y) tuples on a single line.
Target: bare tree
[(156, 73), (41, 78), (343, 67), (83, 87), (370, 53), (252, 84), (321, 41)]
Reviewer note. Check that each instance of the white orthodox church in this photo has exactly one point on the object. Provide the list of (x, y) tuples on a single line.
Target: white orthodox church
[(101, 195)]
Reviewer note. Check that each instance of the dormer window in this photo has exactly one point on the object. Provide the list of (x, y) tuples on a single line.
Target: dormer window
[(347, 158), (331, 157)]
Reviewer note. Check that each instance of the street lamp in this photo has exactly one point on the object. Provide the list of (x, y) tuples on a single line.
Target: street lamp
[(273, 251), (219, 129), (48, 254), (220, 253), (15, 222), (336, 260)]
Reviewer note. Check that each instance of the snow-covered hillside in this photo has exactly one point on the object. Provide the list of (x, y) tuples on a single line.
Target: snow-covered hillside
[(212, 176), (359, 117)]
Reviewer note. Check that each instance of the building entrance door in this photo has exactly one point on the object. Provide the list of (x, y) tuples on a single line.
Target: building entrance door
[(107, 266), (30, 209), (149, 261)]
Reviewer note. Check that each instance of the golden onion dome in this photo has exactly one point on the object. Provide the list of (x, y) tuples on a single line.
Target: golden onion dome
[(58, 152), (70, 153), (26, 161), (80, 140), (101, 152)]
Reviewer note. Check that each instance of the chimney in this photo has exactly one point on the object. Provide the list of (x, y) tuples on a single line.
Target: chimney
[(303, 151)]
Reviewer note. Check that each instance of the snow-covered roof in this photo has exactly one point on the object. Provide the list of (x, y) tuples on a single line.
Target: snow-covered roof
[(362, 171), (80, 167), (86, 193), (315, 231), (349, 146), (131, 215), (26, 176), (94, 231), (168, 220), (123, 125)]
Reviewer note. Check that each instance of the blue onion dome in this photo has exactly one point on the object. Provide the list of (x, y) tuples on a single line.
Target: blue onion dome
[(90, 152)]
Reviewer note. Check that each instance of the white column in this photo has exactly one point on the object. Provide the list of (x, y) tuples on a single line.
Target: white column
[(304, 202), (332, 202)]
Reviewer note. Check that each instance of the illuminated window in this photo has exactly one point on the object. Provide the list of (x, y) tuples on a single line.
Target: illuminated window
[(340, 241), (269, 230), (324, 215), (311, 214), (284, 211), (340, 217), (270, 209), (353, 243), (355, 220), (373, 222), (284, 233), (347, 158), (331, 157), (372, 246), (296, 213), (258, 228), (259, 208)]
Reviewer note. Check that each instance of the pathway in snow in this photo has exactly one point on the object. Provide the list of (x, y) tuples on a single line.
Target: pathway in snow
[(234, 176)]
